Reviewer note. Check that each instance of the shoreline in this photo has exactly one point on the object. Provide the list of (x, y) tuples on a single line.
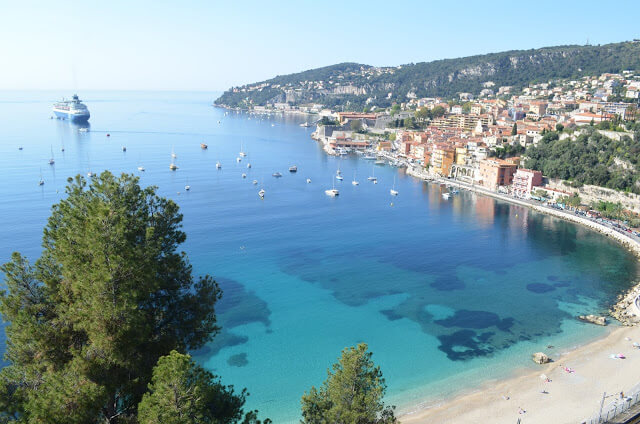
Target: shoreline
[(571, 397), (566, 401), (627, 242)]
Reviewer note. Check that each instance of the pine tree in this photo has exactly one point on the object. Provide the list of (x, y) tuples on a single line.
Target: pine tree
[(109, 295), (182, 392), (351, 394)]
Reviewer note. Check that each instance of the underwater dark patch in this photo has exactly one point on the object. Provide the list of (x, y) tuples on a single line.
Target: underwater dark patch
[(476, 319), (238, 360), (466, 344), (540, 288), (391, 314), (448, 283)]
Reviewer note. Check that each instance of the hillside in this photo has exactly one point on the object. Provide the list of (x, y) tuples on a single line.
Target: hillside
[(352, 84)]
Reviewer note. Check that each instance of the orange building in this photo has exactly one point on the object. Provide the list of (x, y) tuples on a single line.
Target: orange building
[(496, 173), (442, 158)]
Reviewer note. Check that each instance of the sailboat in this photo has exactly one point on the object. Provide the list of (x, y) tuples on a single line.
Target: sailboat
[(218, 165), (393, 191), (373, 176), (187, 187), (333, 192), (173, 166), (141, 168), (52, 160), (173, 154), (354, 182), (41, 182), (242, 153)]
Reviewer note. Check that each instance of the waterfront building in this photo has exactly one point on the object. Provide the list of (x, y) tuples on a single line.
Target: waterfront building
[(495, 173), (461, 155), (442, 158), (524, 180)]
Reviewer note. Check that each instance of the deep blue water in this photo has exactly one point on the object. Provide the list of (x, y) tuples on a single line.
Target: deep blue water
[(446, 292)]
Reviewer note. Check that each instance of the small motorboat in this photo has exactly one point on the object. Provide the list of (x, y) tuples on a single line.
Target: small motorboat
[(90, 174), (141, 168), (244, 175), (308, 180), (124, 148), (293, 168), (248, 165), (218, 165), (446, 195), (261, 193), (276, 174), (41, 182), (339, 177), (173, 167), (332, 192), (393, 192), (203, 146), (255, 182), (20, 148), (379, 162), (187, 187), (354, 182), (372, 179), (239, 159), (108, 135)]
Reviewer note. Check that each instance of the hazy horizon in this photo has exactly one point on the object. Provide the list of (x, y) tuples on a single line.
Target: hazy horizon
[(211, 46)]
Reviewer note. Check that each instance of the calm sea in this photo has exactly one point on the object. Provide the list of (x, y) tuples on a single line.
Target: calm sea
[(447, 293)]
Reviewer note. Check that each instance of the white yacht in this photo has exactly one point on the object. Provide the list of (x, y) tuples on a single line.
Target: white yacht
[(141, 168), (446, 195), (308, 180), (393, 191), (332, 192), (218, 165), (261, 193)]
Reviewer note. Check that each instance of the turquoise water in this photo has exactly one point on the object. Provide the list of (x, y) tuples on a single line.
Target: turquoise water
[(447, 294)]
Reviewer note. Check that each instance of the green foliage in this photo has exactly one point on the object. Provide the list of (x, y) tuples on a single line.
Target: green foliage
[(507, 151), (109, 295), (395, 109), (327, 121), (446, 78), (559, 127), (589, 159), (541, 193), (573, 200), (355, 125), (351, 394), (182, 392)]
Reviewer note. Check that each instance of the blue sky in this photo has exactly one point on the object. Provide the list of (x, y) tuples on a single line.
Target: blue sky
[(211, 45)]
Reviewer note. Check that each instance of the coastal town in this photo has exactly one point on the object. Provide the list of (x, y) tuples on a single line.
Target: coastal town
[(480, 143)]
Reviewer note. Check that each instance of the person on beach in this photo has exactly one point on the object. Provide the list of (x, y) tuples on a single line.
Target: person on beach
[(521, 411)]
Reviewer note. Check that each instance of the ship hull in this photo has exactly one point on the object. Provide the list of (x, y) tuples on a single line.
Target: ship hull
[(73, 117)]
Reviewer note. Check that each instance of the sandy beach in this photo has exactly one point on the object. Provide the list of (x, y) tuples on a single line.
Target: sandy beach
[(571, 397)]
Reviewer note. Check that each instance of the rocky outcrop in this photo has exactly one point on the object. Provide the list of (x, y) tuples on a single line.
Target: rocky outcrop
[(593, 319), (540, 358), (627, 309)]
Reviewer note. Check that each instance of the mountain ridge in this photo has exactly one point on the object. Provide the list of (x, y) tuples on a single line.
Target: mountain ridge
[(353, 85)]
